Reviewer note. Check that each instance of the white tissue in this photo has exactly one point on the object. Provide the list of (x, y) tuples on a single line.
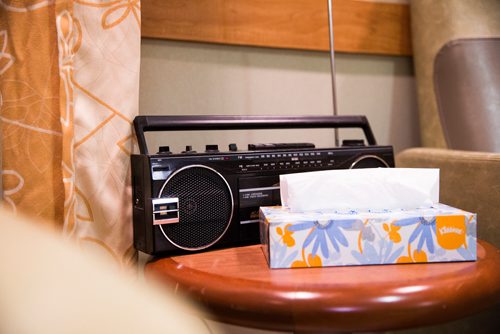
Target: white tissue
[(361, 189)]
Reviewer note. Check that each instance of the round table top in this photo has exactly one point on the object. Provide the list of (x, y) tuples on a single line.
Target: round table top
[(237, 287)]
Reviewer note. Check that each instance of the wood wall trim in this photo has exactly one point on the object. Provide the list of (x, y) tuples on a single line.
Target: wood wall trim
[(360, 26)]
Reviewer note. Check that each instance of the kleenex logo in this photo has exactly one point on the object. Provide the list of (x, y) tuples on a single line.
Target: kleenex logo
[(446, 230)]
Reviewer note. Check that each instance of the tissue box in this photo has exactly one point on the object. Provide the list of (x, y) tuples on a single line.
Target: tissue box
[(344, 238)]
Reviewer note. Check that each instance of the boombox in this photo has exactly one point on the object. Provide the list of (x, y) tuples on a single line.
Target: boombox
[(194, 201)]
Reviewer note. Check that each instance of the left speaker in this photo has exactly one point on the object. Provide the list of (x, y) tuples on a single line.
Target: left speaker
[(205, 207)]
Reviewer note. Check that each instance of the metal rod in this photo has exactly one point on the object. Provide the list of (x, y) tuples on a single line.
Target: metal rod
[(332, 67)]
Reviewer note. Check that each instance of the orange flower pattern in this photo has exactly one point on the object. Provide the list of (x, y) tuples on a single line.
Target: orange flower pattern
[(66, 125), (393, 232), (31, 133), (6, 59), (93, 35), (415, 257), (310, 261), (286, 235), (318, 239), (116, 11)]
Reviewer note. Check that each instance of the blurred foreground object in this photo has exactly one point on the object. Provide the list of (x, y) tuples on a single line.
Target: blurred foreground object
[(49, 286)]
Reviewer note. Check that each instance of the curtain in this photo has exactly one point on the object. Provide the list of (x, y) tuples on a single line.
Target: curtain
[(69, 84)]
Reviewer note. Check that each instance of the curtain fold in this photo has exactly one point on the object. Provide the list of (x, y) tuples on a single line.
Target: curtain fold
[(29, 110), (69, 87)]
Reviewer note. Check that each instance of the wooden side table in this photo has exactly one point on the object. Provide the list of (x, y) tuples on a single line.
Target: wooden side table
[(237, 287)]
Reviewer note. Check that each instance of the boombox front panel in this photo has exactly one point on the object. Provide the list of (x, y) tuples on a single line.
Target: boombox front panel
[(220, 194)]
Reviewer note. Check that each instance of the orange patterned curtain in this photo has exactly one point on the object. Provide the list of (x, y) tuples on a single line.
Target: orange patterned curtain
[(69, 81)]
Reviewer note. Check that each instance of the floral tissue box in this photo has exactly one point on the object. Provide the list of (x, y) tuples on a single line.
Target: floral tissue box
[(334, 238)]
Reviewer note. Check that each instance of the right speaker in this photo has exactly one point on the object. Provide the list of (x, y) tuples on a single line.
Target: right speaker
[(369, 161)]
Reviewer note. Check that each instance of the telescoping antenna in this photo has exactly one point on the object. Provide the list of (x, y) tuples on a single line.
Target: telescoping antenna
[(332, 67)]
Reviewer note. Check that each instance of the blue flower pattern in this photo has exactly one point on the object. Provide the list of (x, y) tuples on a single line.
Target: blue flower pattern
[(384, 254), (280, 258), (337, 240), (424, 230), (320, 234)]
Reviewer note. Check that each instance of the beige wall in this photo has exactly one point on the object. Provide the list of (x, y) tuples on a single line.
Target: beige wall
[(190, 78), (179, 78)]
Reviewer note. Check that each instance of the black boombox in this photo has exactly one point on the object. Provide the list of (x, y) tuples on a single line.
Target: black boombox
[(189, 202)]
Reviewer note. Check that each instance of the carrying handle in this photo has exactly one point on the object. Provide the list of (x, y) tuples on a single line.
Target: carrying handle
[(176, 123)]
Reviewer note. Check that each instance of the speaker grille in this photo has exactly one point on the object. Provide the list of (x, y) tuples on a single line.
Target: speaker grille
[(205, 207), (369, 161)]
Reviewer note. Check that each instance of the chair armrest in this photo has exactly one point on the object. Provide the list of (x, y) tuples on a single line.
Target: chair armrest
[(468, 180)]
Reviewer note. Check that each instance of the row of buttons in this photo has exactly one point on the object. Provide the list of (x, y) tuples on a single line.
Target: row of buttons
[(285, 165), (284, 155)]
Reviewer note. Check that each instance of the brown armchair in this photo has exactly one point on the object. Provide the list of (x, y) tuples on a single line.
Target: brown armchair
[(457, 61)]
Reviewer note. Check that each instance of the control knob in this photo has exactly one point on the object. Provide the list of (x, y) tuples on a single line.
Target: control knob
[(164, 150), (189, 149), (211, 148), (233, 147)]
